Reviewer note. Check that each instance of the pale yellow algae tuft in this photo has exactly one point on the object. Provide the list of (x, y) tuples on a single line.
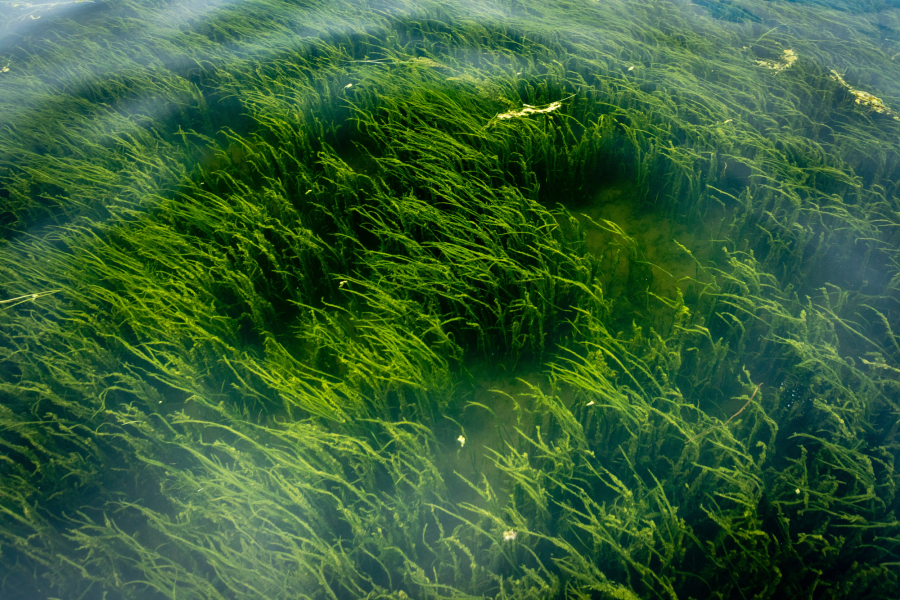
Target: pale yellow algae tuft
[(790, 57), (865, 99)]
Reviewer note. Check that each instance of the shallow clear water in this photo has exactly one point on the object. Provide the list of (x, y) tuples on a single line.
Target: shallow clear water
[(449, 300)]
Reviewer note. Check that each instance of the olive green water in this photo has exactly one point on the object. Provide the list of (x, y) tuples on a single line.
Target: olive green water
[(431, 300)]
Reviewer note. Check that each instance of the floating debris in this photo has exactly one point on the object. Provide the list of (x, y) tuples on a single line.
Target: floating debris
[(527, 109), (461, 440), (509, 536), (790, 57), (865, 99)]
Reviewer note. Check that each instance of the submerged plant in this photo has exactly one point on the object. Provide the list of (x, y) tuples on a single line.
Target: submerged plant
[(340, 301)]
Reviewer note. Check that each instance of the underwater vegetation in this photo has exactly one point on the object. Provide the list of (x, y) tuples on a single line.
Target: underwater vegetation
[(421, 299)]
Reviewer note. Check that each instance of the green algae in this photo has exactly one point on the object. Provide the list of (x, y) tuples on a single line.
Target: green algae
[(265, 263)]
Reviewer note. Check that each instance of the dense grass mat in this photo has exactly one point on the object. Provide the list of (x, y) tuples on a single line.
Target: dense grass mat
[(445, 300)]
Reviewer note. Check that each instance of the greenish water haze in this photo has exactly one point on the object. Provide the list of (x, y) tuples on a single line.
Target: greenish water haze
[(513, 299)]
